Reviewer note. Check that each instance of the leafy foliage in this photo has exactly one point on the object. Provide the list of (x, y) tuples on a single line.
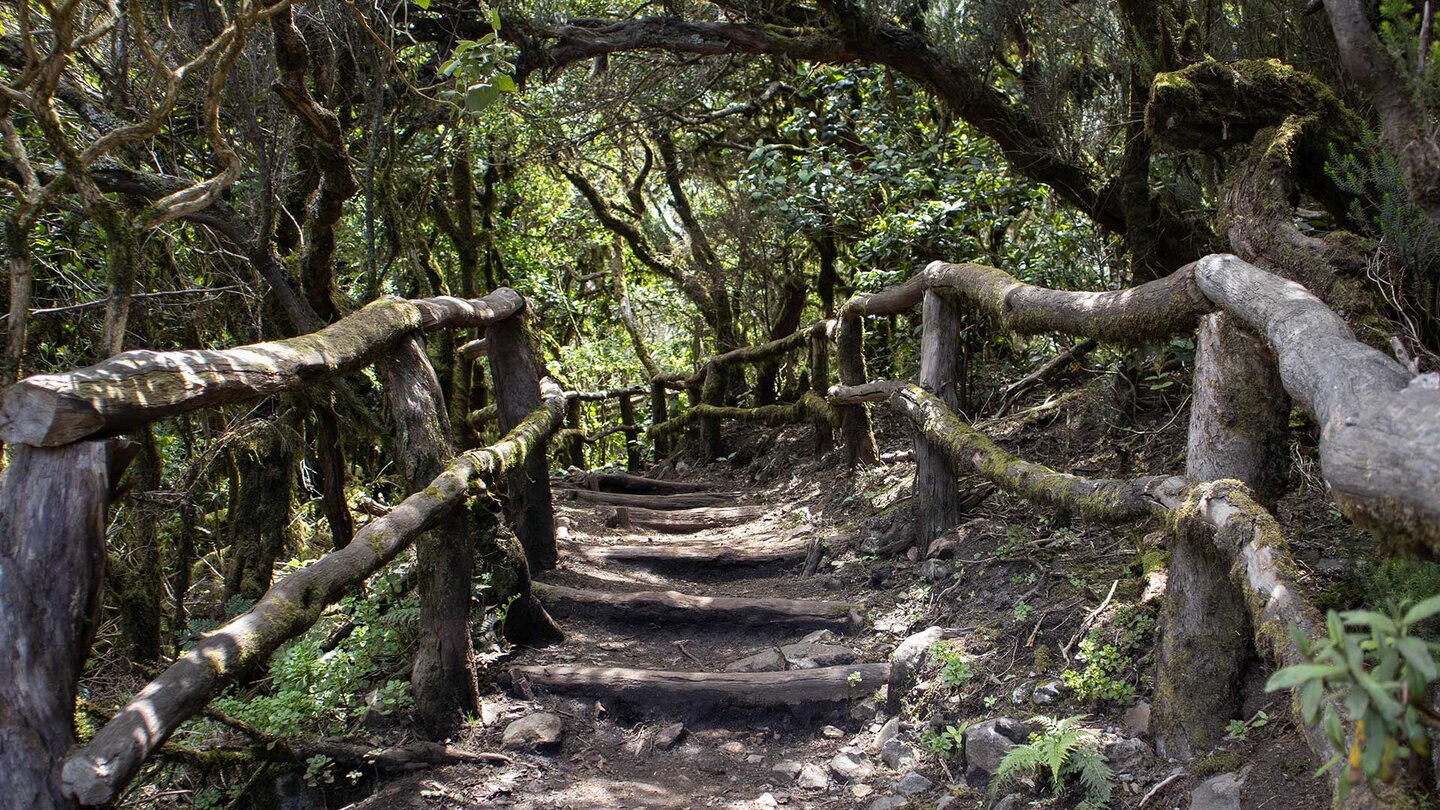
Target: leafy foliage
[(1063, 749), (1372, 666)]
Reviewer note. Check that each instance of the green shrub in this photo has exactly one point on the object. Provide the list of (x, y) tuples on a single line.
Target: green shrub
[(1065, 750)]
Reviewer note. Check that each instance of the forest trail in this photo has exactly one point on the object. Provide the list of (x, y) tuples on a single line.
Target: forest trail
[(701, 666)]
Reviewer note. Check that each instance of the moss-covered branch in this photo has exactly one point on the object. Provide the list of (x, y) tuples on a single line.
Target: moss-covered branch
[(810, 406), (98, 772)]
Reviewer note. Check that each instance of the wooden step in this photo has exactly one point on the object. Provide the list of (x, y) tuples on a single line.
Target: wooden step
[(681, 521), (671, 554), (649, 688), (662, 503), (671, 606), (632, 484)]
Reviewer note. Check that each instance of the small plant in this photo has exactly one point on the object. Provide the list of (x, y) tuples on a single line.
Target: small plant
[(955, 671), (990, 701), (1064, 749), (948, 740), (853, 679), (1379, 675), (319, 770), (1103, 678), (1240, 729), (1021, 611)]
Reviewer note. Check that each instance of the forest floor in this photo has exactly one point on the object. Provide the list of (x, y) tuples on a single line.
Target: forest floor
[(1042, 617)]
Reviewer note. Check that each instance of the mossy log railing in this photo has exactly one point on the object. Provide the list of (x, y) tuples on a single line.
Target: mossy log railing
[(1223, 513), (97, 772), (574, 438), (137, 387)]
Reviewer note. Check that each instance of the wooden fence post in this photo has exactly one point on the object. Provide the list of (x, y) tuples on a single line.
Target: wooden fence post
[(820, 384), (632, 431), (575, 446), (938, 503), (52, 554), (659, 413), (1237, 430), (443, 674), (516, 378), (855, 427), (712, 393)]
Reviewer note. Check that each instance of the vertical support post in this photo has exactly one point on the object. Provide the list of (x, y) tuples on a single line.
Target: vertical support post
[(659, 413), (1237, 430), (855, 426), (516, 378), (712, 393), (820, 384), (52, 555), (632, 431), (575, 447), (938, 502), (443, 673)]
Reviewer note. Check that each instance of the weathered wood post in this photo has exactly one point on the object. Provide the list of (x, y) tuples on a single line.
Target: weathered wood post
[(516, 377), (712, 393), (1237, 430), (938, 502), (855, 428), (575, 446), (633, 462), (820, 383), (659, 413), (443, 673), (52, 555)]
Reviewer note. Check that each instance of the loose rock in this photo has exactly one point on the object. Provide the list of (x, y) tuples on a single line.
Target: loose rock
[(898, 754), (913, 784), (1047, 693), (1137, 719), (1128, 755), (1219, 792), (986, 744), (786, 768), (889, 803), (667, 737), (812, 777), (535, 732), (813, 655), (770, 660), (850, 767)]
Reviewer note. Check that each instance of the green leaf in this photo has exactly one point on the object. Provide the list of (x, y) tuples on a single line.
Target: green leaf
[(1417, 655), (504, 83), (1371, 619), (1422, 611), (495, 19), (423, 3), (480, 96), (1300, 673)]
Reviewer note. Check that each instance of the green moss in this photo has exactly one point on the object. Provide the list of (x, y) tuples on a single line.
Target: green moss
[(1216, 762)]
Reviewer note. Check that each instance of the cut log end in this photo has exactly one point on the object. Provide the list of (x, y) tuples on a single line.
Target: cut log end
[(39, 416)]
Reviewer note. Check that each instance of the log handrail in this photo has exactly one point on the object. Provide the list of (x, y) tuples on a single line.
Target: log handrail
[(136, 387), (97, 772)]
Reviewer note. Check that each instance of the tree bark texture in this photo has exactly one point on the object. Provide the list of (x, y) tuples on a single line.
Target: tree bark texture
[(633, 461), (939, 506), (856, 432), (516, 375), (260, 517), (52, 552)]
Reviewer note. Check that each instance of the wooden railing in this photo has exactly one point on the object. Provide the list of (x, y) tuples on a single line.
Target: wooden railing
[(63, 472)]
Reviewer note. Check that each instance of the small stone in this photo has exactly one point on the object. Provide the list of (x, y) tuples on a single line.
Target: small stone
[(942, 549), (754, 759), (812, 777), (913, 784), (832, 583), (935, 571), (863, 710), (861, 791), (770, 660), (1047, 693), (532, 733), (712, 763), (666, 737), (1021, 693), (986, 744), (1128, 755), (887, 732), (1219, 792), (766, 801), (948, 803), (1008, 803), (1137, 719), (819, 637), (849, 767), (786, 768), (898, 754), (490, 713), (889, 803), (814, 655), (733, 747), (832, 732)]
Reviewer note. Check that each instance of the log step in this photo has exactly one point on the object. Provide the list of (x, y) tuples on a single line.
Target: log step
[(662, 503), (671, 606), (633, 484), (664, 555), (681, 521), (755, 690)]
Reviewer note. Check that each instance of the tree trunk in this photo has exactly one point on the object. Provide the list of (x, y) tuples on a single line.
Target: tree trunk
[(261, 515), (330, 463), (855, 427), (21, 283), (443, 675), (820, 385), (575, 448), (712, 393), (138, 578), (516, 376), (659, 414), (787, 320), (938, 502), (1237, 431), (52, 550)]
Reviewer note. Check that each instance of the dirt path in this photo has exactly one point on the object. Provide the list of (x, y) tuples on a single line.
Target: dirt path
[(660, 613)]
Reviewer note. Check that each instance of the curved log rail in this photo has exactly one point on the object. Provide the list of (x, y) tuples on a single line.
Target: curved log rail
[(136, 387), (96, 773)]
